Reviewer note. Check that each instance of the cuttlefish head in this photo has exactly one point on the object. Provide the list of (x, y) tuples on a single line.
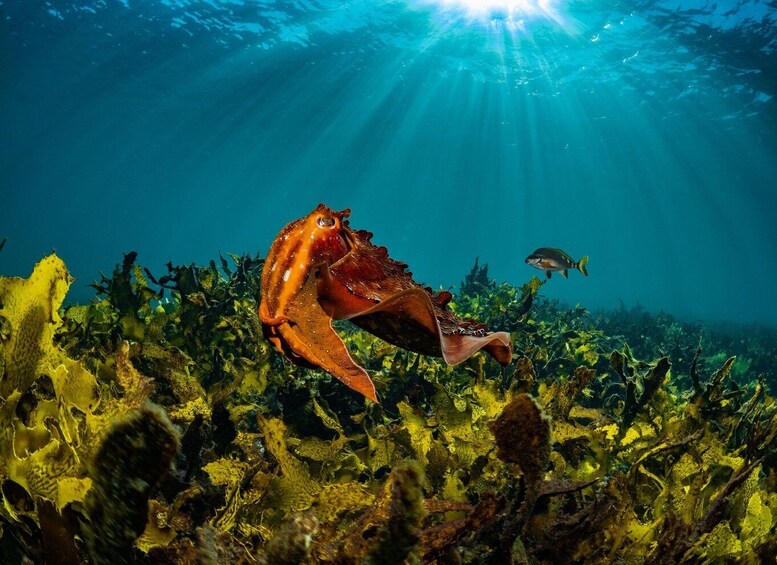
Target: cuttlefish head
[(326, 230), (292, 316), (303, 245)]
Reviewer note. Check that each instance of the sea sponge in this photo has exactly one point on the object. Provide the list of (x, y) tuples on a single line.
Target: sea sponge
[(136, 451), (522, 435)]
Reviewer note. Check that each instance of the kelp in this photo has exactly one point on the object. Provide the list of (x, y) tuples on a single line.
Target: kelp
[(57, 431), (154, 424), (504, 305)]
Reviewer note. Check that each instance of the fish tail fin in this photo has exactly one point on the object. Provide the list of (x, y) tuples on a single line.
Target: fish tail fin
[(581, 265)]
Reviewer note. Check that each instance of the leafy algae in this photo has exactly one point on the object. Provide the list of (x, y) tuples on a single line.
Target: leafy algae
[(155, 424)]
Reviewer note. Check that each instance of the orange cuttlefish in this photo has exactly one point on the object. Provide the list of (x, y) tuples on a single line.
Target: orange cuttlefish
[(319, 269)]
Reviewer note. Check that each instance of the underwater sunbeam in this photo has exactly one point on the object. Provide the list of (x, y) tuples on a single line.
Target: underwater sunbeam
[(517, 12)]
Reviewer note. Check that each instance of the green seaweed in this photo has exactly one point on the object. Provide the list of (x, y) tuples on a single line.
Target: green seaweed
[(613, 437)]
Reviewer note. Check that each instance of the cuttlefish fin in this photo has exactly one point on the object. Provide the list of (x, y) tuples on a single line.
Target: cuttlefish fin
[(415, 304), (411, 304), (309, 334), (458, 348)]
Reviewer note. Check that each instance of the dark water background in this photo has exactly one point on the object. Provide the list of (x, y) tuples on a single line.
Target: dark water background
[(643, 134)]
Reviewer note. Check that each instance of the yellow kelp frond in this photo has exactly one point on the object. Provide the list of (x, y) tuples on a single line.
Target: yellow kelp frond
[(295, 488), (135, 388), (420, 433), (336, 499), (36, 458), (46, 393), (559, 401), (158, 531), (388, 531), (226, 471), (29, 308), (74, 386)]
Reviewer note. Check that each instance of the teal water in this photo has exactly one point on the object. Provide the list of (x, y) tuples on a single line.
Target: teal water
[(642, 134)]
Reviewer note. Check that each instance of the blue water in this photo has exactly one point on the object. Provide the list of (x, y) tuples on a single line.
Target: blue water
[(642, 134)]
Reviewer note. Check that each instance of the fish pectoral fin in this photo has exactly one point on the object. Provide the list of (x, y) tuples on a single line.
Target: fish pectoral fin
[(549, 273), (565, 274)]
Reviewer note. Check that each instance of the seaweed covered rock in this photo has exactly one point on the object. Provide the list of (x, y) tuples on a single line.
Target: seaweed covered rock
[(522, 435), (135, 452)]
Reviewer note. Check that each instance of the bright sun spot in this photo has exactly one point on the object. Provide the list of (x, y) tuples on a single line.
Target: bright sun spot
[(515, 12)]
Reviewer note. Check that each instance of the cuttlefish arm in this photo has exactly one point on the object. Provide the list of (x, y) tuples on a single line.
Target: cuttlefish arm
[(409, 319), (304, 333)]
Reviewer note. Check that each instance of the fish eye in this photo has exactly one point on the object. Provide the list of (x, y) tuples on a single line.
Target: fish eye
[(325, 222)]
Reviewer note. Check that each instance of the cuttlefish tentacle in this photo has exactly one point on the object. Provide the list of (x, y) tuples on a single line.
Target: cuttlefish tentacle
[(310, 335)]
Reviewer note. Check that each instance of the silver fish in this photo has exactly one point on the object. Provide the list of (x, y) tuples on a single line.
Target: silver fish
[(550, 259)]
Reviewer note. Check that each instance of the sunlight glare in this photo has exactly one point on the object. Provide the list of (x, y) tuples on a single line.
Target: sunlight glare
[(515, 12)]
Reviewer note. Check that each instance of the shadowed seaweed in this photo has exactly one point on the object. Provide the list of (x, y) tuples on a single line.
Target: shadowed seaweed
[(136, 451)]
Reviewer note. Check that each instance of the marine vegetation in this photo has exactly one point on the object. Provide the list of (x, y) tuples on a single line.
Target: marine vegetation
[(156, 424)]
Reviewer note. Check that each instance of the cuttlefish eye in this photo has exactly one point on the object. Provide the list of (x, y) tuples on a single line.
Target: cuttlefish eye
[(325, 222)]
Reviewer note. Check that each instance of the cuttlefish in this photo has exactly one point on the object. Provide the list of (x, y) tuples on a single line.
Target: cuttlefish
[(319, 269)]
